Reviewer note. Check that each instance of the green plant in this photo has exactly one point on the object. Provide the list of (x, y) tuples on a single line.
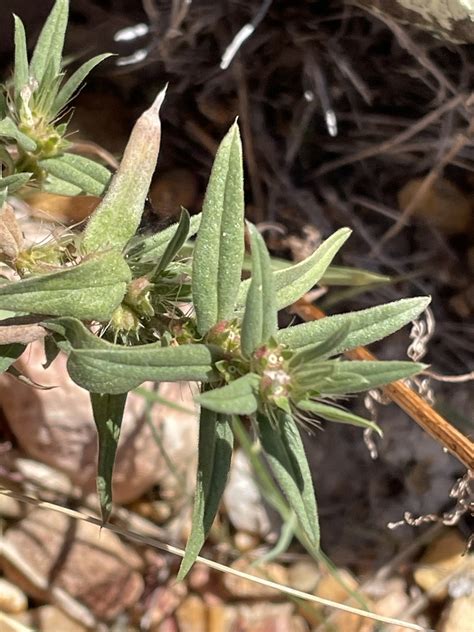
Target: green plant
[(120, 306)]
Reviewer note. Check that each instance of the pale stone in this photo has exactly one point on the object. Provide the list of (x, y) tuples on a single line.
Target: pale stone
[(12, 599), (49, 554), (246, 589), (56, 427)]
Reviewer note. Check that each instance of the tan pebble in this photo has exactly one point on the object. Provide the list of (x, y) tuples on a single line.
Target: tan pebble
[(441, 558), (12, 599), (304, 575), (52, 619), (334, 587), (198, 577), (245, 542), (10, 508), (246, 589), (9, 624), (221, 618), (459, 616), (191, 615)]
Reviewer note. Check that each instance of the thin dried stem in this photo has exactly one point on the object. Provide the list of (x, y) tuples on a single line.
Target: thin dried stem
[(137, 537)]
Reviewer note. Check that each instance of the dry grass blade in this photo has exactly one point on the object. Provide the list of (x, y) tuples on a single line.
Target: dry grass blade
[(436, 426), (137, 537)]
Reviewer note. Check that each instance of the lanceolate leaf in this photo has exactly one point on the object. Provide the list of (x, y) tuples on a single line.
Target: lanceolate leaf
[(291, 283), (259, 323), (74, 83), (175, 243), (340, 415), (89, 291), (152, 248), (321, 349), (10, 130), (15, 181), (237, 398), (49, 47), (116, 219), (86, 174), (118, 369), (219, 248), (355, 376), (20, 76), (340, 275), (367, 325), (215, 453), (286, 456), (108, 414)]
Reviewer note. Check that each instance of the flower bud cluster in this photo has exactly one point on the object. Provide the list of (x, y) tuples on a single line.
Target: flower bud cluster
[(271, 362)]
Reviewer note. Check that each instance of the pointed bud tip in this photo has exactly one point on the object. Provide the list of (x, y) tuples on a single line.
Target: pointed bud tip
[(158, 102)]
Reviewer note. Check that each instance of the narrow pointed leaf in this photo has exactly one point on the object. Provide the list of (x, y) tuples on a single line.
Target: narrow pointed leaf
[(153, 247), (237, 398), (285, 453), (367, 325), (321, 349), (89, 176), (75, 81), (175, 243), (14, 182), (60, 187), (117, 369), (339, 415), (259, 323), (116, 219), (20, 76), (219, 248), (89, 291), (355, 376), (293, 282), (49, 46), (108, 415), (10, 130), (215, 453), (341, 275)]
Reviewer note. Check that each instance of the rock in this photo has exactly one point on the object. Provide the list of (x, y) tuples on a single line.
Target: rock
[(52, 619), (246, 589), (56, 427), (304, 575), (10, 508), (45, 477), (442, 557), (12, 599), (245, 542), (9, 624), (459, 616), (330, 587), (265, 617), (191, 615), (51, 557), (221, 618), (452, 21), (245, 506), (163, 604), (443, 206)]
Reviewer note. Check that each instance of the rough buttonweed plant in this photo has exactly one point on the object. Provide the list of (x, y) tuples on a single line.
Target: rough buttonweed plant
[(127, 308)]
